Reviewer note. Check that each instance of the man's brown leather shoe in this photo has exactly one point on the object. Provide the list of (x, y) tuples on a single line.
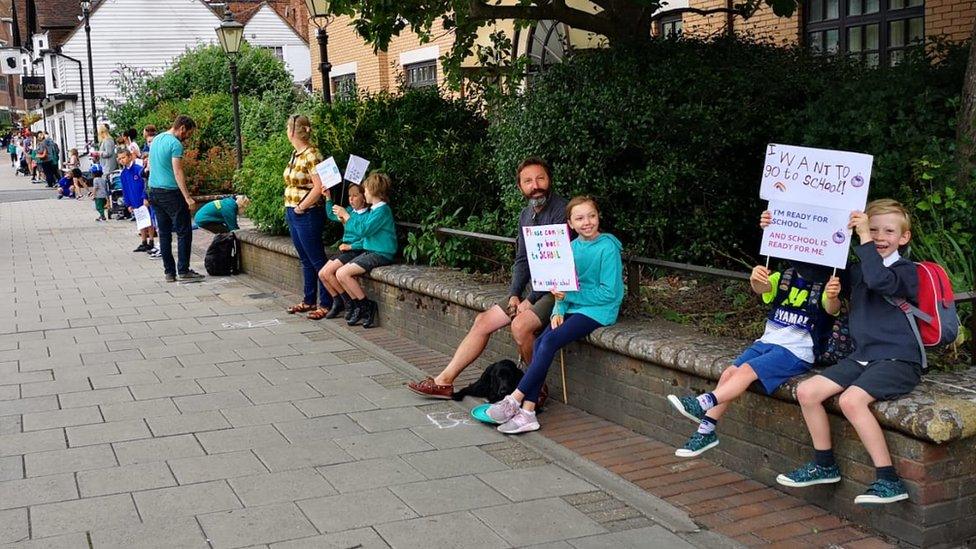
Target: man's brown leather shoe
[(430, 389)]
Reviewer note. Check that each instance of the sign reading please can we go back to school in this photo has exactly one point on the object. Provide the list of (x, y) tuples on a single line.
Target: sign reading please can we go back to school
[(811, 194), (550, 258)]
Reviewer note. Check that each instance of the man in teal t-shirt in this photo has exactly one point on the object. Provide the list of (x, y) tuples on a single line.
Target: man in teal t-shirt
[(171, 200)]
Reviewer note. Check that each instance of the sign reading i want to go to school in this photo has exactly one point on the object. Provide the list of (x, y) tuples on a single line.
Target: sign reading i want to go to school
[(550, 257), (811, 194)]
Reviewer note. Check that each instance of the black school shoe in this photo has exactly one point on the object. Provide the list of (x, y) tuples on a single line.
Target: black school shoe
[(371, 316), (337, 307), (356, 313)]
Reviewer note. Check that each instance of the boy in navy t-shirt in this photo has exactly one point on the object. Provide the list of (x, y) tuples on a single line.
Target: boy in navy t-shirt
[(134, 192)]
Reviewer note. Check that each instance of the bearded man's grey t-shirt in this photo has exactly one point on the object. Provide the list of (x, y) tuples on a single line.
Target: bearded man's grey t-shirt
[(553, 213)]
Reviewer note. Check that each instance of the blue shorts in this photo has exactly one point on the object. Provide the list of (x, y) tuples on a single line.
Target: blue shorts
[(772, 363)]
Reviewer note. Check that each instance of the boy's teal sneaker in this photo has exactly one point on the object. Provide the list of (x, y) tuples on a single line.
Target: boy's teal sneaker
[(697, 445), (810, 474), (688, 406), (883, 491)]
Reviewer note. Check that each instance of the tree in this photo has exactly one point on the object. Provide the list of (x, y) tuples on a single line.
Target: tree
[(622, 22)]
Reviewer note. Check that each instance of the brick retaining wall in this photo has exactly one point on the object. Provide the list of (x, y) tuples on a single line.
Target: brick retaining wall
[(761, 436)]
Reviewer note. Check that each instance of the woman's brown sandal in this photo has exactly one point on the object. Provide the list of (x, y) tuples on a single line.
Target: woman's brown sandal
[(300, 308), (318, 314)]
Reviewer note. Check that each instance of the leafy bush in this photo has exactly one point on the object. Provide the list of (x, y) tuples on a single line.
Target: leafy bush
[(261, 180), (211, 172)]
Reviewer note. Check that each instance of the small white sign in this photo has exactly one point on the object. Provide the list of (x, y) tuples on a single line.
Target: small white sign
[(807, 233), (143, 220), (356, 169), (550, 257), (329, 173), (818, 177), (11, 61)]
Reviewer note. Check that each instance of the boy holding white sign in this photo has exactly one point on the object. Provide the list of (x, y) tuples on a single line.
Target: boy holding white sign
[(575, 315), (350, 248), (801, 297), (886, 362)]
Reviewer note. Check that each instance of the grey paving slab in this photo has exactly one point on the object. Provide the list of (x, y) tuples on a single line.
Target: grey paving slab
[(268, 488), (42, 388), (81, 515), (308, 361), (232, 383), (167, 351), (189, 372), (281, 393), (283, 521), (67, 541), (12, 468), (69, 461), (33, 491), (654, 536), (13, 526), (436, 497), (182, 533), (165, 504), (356, 510), (283, 457), (328, 346), (453, 462), (110, 356), (127, 478), (121, 380), (325, 427), (96, 397), (17, 377), (390, 419), (536, 482), (388, 443), (166, 389), (285, 377), (10, 425), (241, 438), (358, 476), (274, 351), (455, 530), (362, 538), (139, 409), (148, 365), (34, 441), (187, 423), (113, 431), (37, 421), (220, 466), (211, 401), (262, 414), (538, 521), (25, 405), (209, 358), (460, 435), (158, 449), (331, 405), (250, 366), (358, 369), (334, 387), (9, 392)]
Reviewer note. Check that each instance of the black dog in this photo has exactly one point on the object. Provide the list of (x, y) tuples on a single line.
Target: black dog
[(497, 381)]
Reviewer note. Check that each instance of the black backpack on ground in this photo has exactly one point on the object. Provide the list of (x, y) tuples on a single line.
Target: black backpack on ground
[(223, 256)]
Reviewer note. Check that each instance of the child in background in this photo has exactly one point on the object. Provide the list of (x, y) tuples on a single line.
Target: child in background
[(601, 290), (885, 364), (80, 183), (795, 329), (73, 160), (378, 231), (134, 192), (102, 192), (220, 216), (12, 151), (350, 247), (66, 187)]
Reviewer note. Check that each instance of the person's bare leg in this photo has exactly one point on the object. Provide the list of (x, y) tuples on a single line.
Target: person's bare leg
[(474, 343), (734, 382), (854, 403), (811, 394), (327, 276), (525, 326), (346, 275)]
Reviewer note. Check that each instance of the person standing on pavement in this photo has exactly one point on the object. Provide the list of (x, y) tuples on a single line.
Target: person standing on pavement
[(106, 150), (47, 158), (171, 200), (305, 215)]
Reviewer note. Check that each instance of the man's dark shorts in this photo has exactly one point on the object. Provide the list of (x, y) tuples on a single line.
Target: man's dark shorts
[(541, 308), (882, 379)]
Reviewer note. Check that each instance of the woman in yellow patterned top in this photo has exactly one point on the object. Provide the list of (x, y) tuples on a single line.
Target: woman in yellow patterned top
[(306, 215)]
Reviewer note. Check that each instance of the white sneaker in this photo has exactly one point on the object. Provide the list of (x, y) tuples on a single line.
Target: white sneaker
[(522, 422), (504, 409)]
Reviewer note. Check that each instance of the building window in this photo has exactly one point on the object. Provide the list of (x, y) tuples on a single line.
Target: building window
[(669, 26), (54, 72), (278, 51), (420, 75), (3, 84), (874, 31), (344, 86)]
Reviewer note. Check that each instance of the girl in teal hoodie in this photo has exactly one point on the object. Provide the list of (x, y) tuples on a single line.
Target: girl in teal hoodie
[(601, 289), (350, 247)]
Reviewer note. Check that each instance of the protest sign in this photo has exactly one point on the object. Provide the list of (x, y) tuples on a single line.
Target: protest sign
[(329, 173), (818, 177), (550, 258), (143, 220), (356, 169), (807, 233)]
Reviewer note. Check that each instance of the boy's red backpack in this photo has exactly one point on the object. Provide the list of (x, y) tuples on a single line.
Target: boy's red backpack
[(934, 321)]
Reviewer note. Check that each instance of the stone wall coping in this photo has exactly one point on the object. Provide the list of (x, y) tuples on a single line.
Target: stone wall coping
[(942, 408)]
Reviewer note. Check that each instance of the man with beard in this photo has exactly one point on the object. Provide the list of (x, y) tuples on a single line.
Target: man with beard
[(527, 316)]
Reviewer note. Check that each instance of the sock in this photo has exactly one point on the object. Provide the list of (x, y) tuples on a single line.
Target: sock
[(707, 401), (345, 299), (151, 244), (886, 473), (143, 241), (824, 458), (707, 426)]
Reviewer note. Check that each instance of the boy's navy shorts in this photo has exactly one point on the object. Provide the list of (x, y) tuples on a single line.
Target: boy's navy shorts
[(882, 379), (774, 364), (371, 260), (348, 255)]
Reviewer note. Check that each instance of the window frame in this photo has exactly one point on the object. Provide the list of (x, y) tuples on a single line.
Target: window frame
[(844, 22), (420, 64), (338, 81), (675, 22)]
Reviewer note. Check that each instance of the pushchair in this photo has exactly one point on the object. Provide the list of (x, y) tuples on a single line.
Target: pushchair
[(23, 168), (116, 199)]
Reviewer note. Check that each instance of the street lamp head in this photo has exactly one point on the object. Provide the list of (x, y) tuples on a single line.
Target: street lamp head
[(230, 33), (318, 10), (86, 5)]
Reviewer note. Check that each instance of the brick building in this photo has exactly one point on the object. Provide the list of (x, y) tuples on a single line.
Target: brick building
[(12, 104)]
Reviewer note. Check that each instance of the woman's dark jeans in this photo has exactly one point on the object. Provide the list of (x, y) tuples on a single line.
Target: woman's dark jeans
[(306, 234)]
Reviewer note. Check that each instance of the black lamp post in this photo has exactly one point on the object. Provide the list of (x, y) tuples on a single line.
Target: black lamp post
[(86, 11), (231, 35), (319, 10)]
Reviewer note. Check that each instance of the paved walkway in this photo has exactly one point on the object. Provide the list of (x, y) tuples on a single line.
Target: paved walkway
[(16, 188), (136, 413)]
